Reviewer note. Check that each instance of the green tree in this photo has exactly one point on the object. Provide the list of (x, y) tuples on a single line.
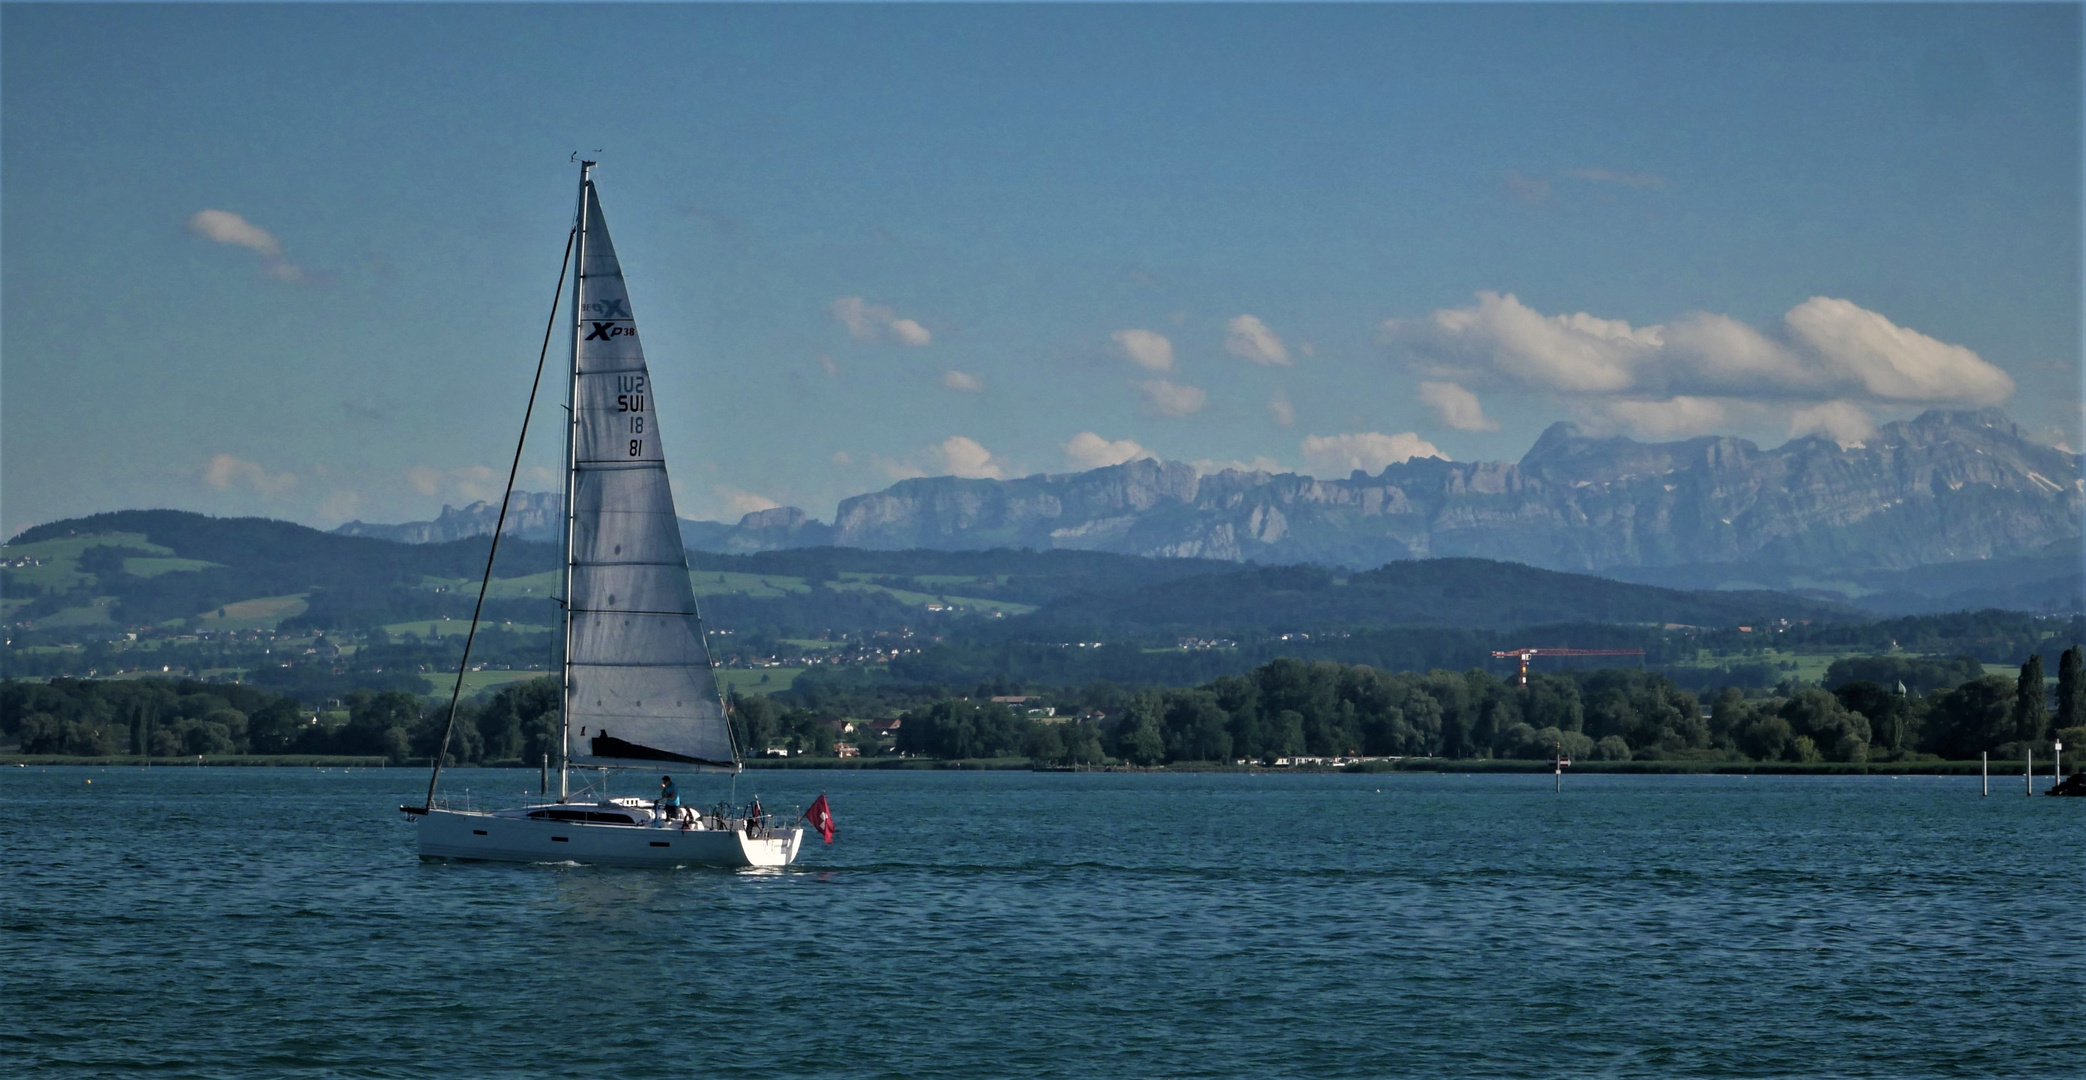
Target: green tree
[(1728, 716), (1044, 745), (1971, 719), (2071, 689), (1289, 734), (43, 733), (1889, 713), (1141, 743), (1767, 738), (2031, 722), (1821, 717), (954, 729), (380, 723)]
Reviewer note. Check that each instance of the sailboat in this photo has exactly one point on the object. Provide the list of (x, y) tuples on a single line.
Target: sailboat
[(639, 688)]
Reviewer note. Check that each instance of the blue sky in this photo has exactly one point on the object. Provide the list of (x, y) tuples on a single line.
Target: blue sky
[(295, 261)]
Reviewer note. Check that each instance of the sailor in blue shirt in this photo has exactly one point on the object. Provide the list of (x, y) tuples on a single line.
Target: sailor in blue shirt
[(669, 798)]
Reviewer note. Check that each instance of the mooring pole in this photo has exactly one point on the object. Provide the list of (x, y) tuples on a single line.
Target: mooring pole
[(543, 776), (1984, 770), (2030, 773)]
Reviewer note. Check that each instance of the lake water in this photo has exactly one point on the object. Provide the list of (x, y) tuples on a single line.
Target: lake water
[(275, 922)]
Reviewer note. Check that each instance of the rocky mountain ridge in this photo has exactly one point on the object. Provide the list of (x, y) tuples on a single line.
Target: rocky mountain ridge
[(1946, 487), (531, 516)]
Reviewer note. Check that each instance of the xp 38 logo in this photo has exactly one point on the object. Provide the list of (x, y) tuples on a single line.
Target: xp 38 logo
[(609, 331)]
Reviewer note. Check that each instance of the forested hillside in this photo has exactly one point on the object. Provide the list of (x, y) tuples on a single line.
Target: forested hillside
[(1468, 593), (318, 616)]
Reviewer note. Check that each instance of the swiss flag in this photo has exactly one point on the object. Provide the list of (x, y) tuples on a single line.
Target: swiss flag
[(821, 817)]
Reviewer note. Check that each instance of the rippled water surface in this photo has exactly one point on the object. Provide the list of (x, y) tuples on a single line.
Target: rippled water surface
[(275, 922)]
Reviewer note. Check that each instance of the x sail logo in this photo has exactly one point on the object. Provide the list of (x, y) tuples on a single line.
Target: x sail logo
[(611, 309), (604, 331)]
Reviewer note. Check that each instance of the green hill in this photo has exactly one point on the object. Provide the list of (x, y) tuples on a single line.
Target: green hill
[(1465, 593)]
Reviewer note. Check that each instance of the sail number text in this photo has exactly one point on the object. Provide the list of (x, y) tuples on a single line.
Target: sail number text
[(632, 401)]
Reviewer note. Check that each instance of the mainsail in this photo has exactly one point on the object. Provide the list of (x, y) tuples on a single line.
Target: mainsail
[(639, 690)]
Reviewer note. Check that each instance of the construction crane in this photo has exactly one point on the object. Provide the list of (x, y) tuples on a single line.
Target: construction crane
[(1525, 655)]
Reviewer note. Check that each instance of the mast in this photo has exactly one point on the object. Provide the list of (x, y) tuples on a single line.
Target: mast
[(579, 267)]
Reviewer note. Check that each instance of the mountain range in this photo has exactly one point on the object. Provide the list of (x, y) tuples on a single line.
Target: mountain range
[(1961, 490)]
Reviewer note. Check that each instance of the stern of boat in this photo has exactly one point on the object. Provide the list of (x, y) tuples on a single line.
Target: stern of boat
[(772, 847)]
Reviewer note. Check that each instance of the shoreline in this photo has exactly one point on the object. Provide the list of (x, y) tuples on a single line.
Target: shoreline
[(1416, 765)]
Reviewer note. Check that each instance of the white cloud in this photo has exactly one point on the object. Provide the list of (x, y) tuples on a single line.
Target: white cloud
[(339, 505), (424, 480), (962, 456), (1369, 451), (909, 332), (843, 458), (1457, 407), (875, 322), (471, 483), (1824, 350), (957, 380), (1843, 422), (897, 470), (1250, 340), (743, 503), (225, 227), (1171, 399), (1281, 411), (480, 483), (1891, 362), (1087, 450), (223, 471), (1145, 349), (1504, 339), (1675, 418), (1208, 466)]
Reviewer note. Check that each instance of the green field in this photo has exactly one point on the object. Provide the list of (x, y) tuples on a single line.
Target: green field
[(1810, 666), (154, 567), (544, 584), (457, 628), (61, 557), (258, 614), (922, 599), (477, 683), (755, 586), (772, 680), (96, 614), (758, 586), (483, 682)]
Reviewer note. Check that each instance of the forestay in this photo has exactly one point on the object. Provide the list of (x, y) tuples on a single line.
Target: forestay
[(639, 690)]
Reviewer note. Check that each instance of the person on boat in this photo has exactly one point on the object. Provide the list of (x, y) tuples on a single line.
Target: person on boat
[(753, 815), (669, 798)]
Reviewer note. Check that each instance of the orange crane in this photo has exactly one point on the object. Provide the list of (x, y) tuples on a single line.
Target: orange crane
[(1525, 655)]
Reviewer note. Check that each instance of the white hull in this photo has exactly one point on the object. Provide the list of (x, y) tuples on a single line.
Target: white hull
[(463, 834)]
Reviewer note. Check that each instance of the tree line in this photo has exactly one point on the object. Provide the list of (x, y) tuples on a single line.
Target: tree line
[(1287, 707), (1291, 707), (170, 718)]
